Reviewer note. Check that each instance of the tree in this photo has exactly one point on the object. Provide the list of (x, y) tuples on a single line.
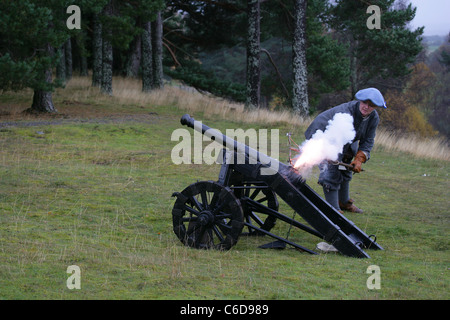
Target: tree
[(194, 29), (61, 66), (420, 88), (134, 58), (157, 51), (439, 117), (123, 26), (215, 33), (403, 116), (146, 61), (444, 58), (83, 52), (206, 24), (377, 54), (68, 58), (29, 33), (107, 52), (97, 45), (253, 81), (42, 97), (300, 74)]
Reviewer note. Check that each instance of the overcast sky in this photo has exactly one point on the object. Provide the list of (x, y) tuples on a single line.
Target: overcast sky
[(434, 15)]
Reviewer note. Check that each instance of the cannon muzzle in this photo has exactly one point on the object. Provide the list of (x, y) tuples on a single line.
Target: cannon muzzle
[(186, 120)]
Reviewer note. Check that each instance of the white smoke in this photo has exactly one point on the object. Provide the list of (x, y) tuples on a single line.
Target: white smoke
[(325, 145)]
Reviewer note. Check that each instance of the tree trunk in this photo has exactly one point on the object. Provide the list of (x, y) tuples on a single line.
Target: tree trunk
[(253, 55), (69, 61), (61, 66), (107, 55), (134, 58), (42, 102), (146, 59), (83, 66), (42, 98), (300, 74), (157, 29), (80, 41), (97, 53)]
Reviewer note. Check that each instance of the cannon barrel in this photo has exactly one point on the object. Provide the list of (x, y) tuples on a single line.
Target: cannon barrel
[(238, 147)]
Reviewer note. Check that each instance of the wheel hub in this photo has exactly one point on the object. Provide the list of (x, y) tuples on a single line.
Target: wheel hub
[(206, 218)]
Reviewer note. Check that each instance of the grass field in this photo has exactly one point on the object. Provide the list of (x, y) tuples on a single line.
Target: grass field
[(92, 187)]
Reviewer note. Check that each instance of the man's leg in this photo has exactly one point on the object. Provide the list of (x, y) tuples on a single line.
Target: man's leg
[(345, 203), (344, 191), (330, 179), (332, 197)]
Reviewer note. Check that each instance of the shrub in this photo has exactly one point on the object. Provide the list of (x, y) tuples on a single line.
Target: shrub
[(403, 116)]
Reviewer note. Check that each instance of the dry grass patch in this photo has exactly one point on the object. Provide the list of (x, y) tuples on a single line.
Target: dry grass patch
[(431, 148), (80, 100)]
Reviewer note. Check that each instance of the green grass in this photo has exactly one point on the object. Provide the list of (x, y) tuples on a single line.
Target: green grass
[(98, 195)]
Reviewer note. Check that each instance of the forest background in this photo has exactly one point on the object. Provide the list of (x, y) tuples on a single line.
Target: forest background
[(244, 51)]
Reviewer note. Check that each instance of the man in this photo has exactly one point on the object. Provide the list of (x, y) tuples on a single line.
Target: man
[(334, 179)]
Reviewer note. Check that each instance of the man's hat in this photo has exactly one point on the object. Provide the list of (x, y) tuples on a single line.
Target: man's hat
[(373, 95)]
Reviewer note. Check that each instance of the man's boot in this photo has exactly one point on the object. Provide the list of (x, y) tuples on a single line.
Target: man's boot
[(349, 206)]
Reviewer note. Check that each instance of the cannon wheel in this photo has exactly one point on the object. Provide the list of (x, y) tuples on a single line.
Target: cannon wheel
[(207, 215), (265, 196)]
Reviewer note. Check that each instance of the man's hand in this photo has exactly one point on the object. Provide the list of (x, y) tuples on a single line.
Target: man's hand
[(360, 158)]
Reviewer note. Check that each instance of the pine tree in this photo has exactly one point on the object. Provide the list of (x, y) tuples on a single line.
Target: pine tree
[(42, 97), (32, 34), (61, 66), (374, 53), (29, 33), (146, 61), (107, 53), (68, 59), (253, 54), (134, 57), (122, 23), (157, 51), (97, 45), (300, 102)]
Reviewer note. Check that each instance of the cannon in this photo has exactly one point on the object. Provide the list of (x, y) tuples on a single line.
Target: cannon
[(213, 214)]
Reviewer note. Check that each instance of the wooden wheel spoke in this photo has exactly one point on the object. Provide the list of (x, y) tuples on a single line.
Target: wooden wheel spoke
[(189, 219), (218, 234), (254, 194), (195, 203), (191, 210), (204, 198)]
